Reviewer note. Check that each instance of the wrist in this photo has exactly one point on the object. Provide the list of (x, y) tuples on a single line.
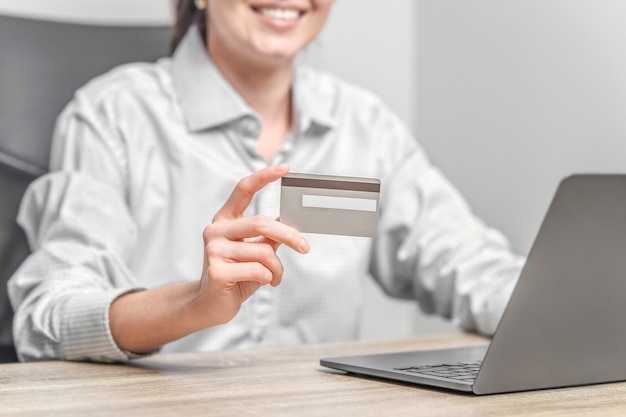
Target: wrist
[(145, 320)]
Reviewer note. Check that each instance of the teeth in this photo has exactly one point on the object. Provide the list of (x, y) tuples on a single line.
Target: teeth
[(280, 14)]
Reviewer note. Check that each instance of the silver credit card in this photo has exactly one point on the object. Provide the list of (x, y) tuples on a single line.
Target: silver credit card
[(330, 204)]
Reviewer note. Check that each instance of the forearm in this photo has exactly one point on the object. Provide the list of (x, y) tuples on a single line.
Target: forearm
[(143, 321), (433, 248), (54, 320)]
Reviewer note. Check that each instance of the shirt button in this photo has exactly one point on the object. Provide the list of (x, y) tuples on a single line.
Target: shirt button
[(249, 126)]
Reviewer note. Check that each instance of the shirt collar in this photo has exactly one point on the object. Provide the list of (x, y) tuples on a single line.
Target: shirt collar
[(208, 100), (314, 100)]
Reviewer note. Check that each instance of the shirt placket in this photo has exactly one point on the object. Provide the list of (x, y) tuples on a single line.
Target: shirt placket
[(266, 203), (264, 302)]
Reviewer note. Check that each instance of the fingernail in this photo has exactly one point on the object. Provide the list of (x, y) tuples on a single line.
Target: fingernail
[(281, 167), (304, 246)]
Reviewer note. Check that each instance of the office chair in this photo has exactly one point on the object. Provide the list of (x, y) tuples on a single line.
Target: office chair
[(41, 64)]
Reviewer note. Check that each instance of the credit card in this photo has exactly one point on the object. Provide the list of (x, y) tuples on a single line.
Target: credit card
[(330, 204)]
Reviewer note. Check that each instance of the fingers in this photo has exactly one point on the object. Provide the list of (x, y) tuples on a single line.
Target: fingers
[(245, 189), (273, 231), (240, 252), (240, 261)]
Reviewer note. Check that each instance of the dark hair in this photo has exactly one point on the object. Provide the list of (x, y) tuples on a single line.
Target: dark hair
[(187, 14)]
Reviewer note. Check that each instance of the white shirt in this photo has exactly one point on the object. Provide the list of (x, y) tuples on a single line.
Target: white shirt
[(145, 155)]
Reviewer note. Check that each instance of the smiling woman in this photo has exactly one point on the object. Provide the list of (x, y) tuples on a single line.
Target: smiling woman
[(145, 155)]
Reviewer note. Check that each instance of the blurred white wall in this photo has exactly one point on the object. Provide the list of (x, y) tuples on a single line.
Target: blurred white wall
[(515, 95)]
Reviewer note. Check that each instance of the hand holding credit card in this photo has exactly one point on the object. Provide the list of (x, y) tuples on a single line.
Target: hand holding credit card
[(330, 204)]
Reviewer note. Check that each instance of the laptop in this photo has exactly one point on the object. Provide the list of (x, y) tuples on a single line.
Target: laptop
[(565, 323)]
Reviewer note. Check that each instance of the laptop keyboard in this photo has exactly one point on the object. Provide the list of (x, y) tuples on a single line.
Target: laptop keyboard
[(460, 371)]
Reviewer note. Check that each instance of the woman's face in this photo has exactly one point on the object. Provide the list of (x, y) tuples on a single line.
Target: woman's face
[(265, 29)]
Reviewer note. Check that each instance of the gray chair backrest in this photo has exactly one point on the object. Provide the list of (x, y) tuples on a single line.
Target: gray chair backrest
[(42, 63)]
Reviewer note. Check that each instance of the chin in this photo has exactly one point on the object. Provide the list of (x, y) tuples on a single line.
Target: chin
[(278, 54)]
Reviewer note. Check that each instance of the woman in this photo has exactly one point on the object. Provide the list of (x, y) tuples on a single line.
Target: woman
[(149, 157)]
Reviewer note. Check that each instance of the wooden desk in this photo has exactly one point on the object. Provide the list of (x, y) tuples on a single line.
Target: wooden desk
[(271, 382)]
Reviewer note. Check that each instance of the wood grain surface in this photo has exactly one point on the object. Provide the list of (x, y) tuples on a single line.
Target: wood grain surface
[(284, 381)]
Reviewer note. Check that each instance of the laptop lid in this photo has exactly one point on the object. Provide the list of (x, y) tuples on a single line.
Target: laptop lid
[(564, 324)]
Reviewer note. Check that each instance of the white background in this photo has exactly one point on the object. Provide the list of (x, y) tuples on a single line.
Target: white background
[(507, 97)]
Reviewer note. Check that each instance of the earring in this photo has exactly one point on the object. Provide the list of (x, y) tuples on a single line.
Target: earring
[(200, 4)]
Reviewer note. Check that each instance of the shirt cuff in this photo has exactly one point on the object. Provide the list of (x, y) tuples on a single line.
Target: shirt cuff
[(86, 334)]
